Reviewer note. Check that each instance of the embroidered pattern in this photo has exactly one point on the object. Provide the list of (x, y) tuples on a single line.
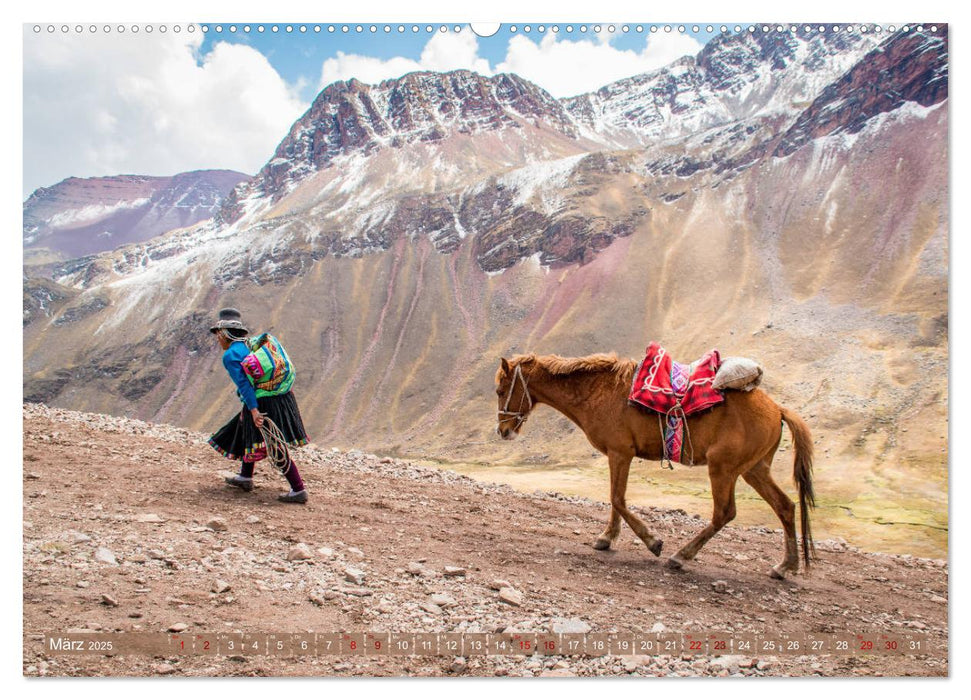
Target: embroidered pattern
[(674, 391)]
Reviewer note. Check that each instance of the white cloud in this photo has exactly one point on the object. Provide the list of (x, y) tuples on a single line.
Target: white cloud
[(562, 67), (112, 104), (444, 52), (565, 68)]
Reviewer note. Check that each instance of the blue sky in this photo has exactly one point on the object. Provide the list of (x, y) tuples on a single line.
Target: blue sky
[(298, 55)]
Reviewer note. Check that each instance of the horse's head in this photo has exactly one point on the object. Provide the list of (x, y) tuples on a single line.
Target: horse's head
[(512, 390)]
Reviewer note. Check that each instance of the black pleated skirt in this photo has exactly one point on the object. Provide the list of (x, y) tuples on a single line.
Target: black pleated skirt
[(241, 439)]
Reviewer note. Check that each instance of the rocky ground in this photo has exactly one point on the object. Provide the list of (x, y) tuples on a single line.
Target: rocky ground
[(129, 528)]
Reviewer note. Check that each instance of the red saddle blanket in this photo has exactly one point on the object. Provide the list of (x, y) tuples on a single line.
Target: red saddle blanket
[(661, 384), (676, 391)]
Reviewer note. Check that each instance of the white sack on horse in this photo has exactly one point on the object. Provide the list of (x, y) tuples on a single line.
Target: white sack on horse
[(739, 373)]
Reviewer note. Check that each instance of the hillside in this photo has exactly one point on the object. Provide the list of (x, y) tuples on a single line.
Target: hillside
[(128, 528)]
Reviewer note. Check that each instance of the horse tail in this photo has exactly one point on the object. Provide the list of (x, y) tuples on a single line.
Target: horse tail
[(802, 474)]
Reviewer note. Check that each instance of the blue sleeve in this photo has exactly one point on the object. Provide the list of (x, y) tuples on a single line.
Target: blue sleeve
[(245, 389)]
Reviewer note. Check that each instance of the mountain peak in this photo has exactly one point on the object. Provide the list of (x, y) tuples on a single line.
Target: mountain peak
[(420, 107)]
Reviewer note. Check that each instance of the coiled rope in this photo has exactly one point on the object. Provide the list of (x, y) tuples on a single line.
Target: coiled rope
[(276, 445)]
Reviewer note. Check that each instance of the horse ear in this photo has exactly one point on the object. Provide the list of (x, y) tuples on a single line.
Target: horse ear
[(505, 365)]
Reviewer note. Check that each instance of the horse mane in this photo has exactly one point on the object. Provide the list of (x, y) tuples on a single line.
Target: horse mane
[(559, 366)]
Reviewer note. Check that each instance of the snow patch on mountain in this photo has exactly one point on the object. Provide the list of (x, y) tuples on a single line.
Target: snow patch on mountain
[(543, 177), (71, 218)]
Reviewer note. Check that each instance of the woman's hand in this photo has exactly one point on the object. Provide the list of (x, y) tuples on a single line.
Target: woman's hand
[(257, 417)]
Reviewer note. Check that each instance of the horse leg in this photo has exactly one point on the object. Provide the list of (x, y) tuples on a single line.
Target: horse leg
[(610, 533), (723, 511), (759, 478), (620, 470), (606, 538)]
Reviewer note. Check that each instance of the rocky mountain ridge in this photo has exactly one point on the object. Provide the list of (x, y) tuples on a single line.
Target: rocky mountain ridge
[(85, 216), (435, 154), (733, 78)]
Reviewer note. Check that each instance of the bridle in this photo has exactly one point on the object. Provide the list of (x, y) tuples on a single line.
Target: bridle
[(519, 415)]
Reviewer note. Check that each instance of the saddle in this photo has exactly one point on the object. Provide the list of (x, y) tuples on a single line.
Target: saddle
[(675, 390)]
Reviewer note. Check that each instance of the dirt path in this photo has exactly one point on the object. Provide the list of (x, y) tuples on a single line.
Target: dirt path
[(128, 527)]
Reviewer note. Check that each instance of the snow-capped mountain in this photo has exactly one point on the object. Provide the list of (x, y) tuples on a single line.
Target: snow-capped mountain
[(350, 118), (733, 78), (906, 68), (782, 196), (84, 216)]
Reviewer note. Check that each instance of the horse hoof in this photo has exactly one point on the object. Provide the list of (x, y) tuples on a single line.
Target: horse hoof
[(601, 543), (778, 573), (655, 548), (674, 562)]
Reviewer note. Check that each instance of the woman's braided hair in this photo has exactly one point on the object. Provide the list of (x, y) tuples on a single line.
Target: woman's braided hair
[(232, 334)]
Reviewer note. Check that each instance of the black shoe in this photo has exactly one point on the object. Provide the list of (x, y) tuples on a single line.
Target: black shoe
[(298, 497), (239, 482)]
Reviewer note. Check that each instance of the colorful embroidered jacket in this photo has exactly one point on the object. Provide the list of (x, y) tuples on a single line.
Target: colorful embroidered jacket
[(232, 361)]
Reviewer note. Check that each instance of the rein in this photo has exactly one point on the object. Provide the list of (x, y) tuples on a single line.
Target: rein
[(519, 415)]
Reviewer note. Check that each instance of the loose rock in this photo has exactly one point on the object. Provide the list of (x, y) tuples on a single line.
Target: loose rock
[(105, 555), (359, 592), (430, 607), (511, 596), (354, 575), (571, 625), (300, 552)]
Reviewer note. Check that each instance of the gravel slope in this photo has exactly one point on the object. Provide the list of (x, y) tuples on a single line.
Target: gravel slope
[(128, 527)]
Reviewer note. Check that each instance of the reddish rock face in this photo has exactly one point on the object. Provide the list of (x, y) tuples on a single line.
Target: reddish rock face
[(350, 117), (909, 67), (84, 216)]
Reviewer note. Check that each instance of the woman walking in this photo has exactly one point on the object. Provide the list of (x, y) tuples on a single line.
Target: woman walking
[(265, 393)]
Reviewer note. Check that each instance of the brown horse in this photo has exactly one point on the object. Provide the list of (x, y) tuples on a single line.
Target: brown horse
[(737, 438)]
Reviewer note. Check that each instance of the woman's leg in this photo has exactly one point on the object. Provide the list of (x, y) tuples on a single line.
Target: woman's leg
[(293, 476)]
